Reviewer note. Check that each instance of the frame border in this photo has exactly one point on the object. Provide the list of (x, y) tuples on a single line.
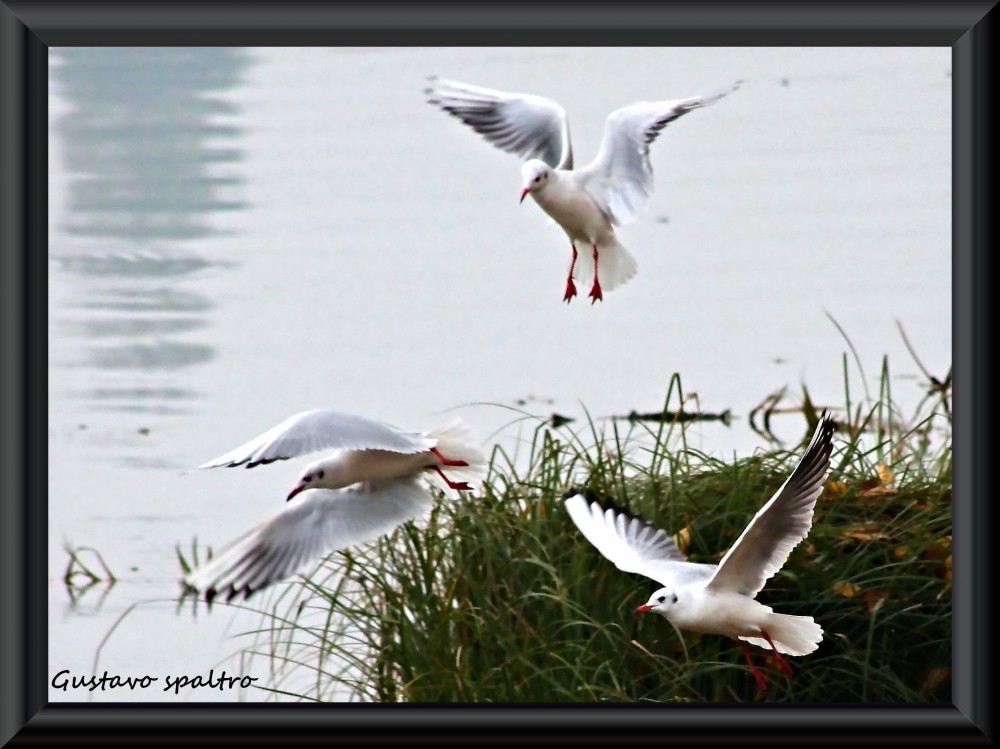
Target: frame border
[(28, 29)]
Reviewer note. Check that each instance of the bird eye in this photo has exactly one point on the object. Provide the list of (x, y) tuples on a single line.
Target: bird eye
[(661, 599), (307, 478), (538, 178)]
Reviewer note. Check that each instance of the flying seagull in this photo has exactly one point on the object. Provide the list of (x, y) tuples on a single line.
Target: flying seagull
[(719, 599), (589, 202), (370, 485)]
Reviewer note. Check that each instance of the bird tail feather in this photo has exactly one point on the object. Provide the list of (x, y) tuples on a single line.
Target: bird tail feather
[(615, 265), (792, 635), (456, 443)]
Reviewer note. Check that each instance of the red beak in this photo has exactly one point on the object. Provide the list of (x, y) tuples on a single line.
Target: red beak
[(642, 609), (295, 491), (524, 191)]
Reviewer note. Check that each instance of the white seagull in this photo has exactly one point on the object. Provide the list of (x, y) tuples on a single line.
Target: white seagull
[(363, 490), (719, 599), (589, 202)]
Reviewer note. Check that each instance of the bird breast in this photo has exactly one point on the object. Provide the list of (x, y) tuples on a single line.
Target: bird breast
[(380, 465), (574, 210), (729, 614)]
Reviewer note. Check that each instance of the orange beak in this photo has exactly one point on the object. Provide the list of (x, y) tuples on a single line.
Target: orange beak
[(642, 609), (524, 191), (295, 491)]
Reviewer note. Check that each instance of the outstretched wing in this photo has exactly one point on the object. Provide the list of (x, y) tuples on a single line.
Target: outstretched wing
[(633, 545), (532, 127), (620, 179), (779, 525), (318, 522), (321, 429)]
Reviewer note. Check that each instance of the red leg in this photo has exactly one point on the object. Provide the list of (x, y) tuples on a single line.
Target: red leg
[(782, 663), (595, 290), (757, 674), (570, 286), (447, 461), (460, 485)]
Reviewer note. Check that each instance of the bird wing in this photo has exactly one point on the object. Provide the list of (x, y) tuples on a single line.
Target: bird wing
[(320, 429), (633, 545), (779, 525), (317, 522), (620, 178), (532, 127)]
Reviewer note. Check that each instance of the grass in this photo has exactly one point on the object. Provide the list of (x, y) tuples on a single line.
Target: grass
[(80, 576), (499, 598), (77, 568)]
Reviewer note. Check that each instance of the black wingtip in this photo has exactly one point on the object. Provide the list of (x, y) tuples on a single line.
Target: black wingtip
[(827, 424), (212, 593), (603, 501), (819, 449), (588, 494)]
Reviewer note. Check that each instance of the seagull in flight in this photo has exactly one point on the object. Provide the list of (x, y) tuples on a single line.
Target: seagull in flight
[(369, 485), (588, 202), (719, 599)]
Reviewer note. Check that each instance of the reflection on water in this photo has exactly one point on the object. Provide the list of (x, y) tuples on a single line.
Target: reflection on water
[(150, 147), (141, 139)]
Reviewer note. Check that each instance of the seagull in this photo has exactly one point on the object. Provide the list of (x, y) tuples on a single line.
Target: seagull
[(719, 599), (370, 485), (589, 202), (366, 450)]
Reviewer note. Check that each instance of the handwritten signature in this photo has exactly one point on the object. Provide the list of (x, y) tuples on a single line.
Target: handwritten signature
[(66, 681)]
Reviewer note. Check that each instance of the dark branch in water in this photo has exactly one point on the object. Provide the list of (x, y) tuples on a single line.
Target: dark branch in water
[(558, 420), (726, 417)]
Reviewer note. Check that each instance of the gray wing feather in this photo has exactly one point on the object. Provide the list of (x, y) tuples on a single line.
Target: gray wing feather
[(320, 429), (779, 525), (633, 545), (531, 127), (620, 178), (318, 522)]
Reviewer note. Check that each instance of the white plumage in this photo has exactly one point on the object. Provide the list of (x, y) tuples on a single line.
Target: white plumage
[(320, 429), (719, 599), (367, 487), (588, 202)]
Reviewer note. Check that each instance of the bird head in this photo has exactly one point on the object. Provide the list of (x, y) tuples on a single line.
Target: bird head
[(315, 476), (661, 602), (536, 175)]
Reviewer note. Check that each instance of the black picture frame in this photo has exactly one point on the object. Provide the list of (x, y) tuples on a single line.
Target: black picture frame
[(29, 28)]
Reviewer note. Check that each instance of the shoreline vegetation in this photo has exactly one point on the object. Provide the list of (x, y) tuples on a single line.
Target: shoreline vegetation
[(498, 598)]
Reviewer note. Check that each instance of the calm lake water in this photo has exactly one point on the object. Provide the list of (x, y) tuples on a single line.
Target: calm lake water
[(240, 234)]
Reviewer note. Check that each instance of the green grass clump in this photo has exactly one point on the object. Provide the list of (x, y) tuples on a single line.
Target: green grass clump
[(499, 598)]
